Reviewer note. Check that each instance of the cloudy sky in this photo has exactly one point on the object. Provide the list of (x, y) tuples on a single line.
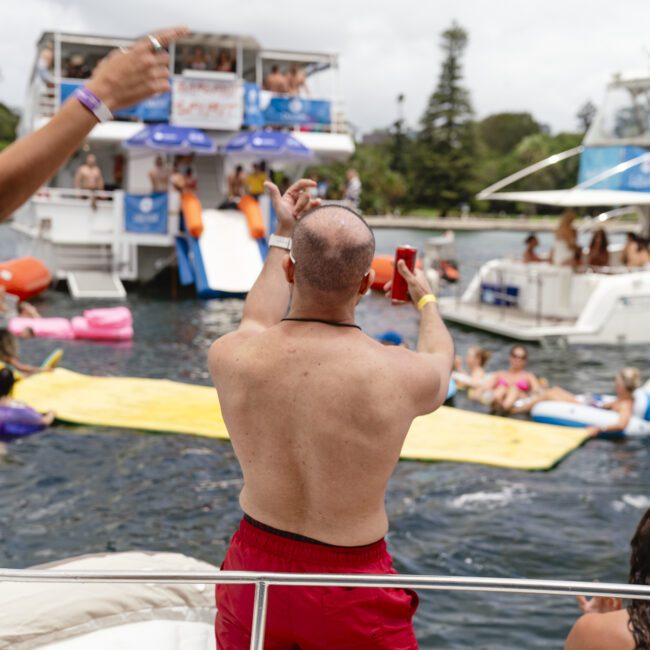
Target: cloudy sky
[(542, 56)]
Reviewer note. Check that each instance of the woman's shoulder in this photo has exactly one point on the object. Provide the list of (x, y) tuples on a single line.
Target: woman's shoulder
[(601, 632)]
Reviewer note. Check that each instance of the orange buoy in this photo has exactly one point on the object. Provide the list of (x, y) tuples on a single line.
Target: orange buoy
[(24, 277), (254, 218), (192, 213), (383, 266)]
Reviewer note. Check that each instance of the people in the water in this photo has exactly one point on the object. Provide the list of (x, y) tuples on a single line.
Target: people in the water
[(10, 355), (15, 416), (605, 623), (513, 384), (474, 378), (627, 380)]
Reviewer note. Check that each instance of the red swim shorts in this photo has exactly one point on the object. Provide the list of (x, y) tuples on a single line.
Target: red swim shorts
[(313, 618)]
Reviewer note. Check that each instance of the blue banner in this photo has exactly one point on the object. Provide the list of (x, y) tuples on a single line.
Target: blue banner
[(252, 109), (154, 109), (291, 111), (146, 213), (596, 160)]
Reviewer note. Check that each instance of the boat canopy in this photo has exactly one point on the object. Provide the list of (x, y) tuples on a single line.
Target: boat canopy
[(575, 198)]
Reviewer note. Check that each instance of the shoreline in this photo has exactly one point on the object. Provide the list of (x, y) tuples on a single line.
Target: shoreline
[(516, 224)]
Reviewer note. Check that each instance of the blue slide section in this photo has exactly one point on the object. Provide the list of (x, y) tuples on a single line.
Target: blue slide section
[(184, 262)]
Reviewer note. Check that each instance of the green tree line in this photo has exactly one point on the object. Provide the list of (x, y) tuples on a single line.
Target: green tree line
[(452, 156), (8, 124)]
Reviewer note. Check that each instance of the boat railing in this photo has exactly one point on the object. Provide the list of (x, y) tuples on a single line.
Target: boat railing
[(62, 194), (264, 581)]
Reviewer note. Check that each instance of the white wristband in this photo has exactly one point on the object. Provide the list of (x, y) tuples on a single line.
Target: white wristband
[(280, 242)]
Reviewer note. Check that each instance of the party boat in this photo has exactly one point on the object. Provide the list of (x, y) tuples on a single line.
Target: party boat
[(558, 305), (96, 240)]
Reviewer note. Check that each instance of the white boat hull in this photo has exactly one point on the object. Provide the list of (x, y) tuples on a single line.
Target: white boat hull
[(540, 302)]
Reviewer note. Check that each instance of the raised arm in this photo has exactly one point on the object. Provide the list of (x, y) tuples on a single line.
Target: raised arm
[(120, 80), (268, 300), (430, 372)]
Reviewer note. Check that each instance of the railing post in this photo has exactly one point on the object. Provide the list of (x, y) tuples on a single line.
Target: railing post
[(540, 289), (259, 615)]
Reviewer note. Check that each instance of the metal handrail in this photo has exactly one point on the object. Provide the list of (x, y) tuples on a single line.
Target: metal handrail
[(263, 581)]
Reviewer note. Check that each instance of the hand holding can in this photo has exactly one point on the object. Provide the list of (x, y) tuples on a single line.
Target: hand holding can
[(399, 292)]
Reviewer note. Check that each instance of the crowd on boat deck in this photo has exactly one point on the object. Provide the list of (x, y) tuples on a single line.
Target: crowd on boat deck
[(199, 58), (286, 82), (291, 80), (567, 252)]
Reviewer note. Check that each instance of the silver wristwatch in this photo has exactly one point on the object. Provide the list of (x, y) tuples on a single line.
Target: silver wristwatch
[(280, 242)]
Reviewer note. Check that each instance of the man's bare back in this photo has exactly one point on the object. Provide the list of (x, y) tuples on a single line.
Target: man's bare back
[(317, 415)]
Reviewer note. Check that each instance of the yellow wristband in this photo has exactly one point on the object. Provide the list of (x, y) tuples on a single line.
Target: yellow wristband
[(425, 300)]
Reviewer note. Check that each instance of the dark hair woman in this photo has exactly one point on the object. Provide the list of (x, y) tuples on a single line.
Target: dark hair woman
[(606, 624)]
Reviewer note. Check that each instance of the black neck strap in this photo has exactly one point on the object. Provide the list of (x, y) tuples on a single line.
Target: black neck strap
[(322, 321)]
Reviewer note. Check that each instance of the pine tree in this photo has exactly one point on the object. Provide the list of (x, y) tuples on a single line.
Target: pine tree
[(446, 144)]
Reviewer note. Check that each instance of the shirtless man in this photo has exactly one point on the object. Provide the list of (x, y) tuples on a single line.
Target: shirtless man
[(317, 412), (236, 184), (89, 175), (159, 176), (276, 81), (296, 80)]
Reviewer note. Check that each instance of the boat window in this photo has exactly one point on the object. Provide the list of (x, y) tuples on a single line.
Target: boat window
[(206, 58), (624, 116), (78, 61)]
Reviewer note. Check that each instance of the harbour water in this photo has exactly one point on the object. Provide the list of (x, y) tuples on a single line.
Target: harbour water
[(76, 490)]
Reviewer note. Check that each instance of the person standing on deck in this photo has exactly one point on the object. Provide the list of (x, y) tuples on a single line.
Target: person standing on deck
[(352, 192), (317, 412), (89, 175), (159, 176)]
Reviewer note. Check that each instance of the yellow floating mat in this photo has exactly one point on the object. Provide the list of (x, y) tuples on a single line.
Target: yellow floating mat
[(160, 405)]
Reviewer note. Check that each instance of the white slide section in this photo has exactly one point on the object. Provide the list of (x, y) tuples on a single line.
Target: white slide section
[(231, 257)]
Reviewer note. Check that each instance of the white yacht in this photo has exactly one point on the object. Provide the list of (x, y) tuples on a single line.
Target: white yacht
[(88, 239), (548, 303)]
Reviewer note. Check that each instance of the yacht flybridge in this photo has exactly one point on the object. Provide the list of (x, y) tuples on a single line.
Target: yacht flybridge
[(544, 302), (96, 239)]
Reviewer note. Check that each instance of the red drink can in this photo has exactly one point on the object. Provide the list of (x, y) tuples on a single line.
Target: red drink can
[(400, 293)]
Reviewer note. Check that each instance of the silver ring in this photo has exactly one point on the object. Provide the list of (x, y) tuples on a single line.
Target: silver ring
[(123, 50), (155, 43)]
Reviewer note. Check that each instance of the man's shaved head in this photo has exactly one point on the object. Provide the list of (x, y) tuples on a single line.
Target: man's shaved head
[(333, 249)]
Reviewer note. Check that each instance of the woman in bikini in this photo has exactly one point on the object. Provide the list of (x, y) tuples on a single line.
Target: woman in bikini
[(515, 383), (627, 380)]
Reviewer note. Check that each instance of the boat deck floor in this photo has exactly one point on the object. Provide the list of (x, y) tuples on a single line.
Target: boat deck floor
[(507, 321)]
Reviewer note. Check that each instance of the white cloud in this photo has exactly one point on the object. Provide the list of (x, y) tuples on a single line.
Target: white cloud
[(542, 56)]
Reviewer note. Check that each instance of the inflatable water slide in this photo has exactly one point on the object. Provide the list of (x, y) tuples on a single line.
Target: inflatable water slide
[(222, 251)]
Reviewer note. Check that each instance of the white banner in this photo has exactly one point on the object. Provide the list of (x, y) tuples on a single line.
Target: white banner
[(208, 104)]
